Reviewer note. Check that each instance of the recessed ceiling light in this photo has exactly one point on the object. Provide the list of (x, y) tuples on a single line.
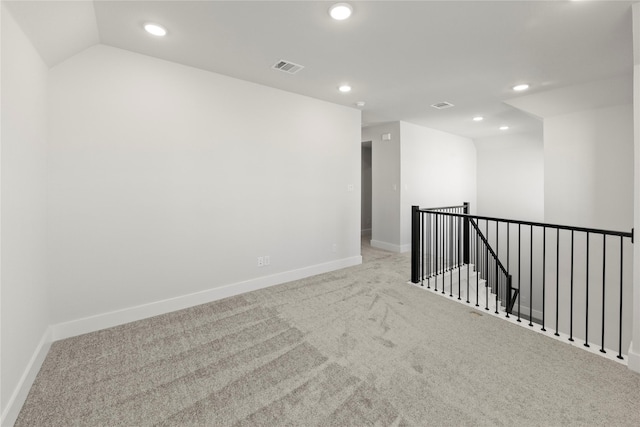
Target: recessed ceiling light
[(155, 29), (340, 11), (521, 87), (344, 88), (478, 119), (504, 127)]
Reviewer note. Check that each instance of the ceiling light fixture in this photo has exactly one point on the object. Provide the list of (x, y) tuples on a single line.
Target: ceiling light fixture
[(504, 127), (478, 119), (344, 88), (340, 11), (521, 87), (155, 29)]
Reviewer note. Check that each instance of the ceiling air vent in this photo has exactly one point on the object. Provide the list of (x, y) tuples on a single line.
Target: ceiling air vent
[(287, 67), (442, 105)]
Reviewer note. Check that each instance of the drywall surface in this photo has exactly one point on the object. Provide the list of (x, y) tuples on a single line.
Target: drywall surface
[(23, 292), (438, 169), (511, 185), (589, 168), (167, 180), (634, 351), (589, 183), (385, 169), (510, 176)]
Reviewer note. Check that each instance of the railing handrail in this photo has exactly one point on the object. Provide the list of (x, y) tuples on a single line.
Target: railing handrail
[(489, 248), (443, 207), (425, 239), (538, 224)]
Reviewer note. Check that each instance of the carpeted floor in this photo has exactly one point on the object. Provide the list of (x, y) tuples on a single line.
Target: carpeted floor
[(355, 347)]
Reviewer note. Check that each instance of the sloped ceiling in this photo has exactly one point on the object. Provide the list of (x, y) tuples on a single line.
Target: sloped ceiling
[(587, 96), (399, 57), (57, 29)]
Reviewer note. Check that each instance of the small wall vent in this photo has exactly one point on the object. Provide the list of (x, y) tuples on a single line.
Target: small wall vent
[(287, 67), (442, 105)]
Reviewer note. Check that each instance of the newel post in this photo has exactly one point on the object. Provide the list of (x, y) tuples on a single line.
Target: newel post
[(415, 244), (465, 231)]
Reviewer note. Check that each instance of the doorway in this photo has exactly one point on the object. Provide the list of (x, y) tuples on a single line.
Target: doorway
[(366, 193)]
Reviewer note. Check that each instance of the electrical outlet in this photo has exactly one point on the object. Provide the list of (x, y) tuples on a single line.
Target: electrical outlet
[(267, 260), (260, 261)]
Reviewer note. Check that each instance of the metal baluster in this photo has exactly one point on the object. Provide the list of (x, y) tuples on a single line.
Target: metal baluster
[(544, 272), (497, 282), (477, 267), (586, 308), (451, 262), (508, 290), (468, 259), (571, 299), (459, 255), (436, 244), (604, 266), (519, 269), (444, 248), (422, 253), (486, 266), (445, 244), (557, 278), (429, 247), (620, 325), (446, 252), (497, 277), (531, 276)]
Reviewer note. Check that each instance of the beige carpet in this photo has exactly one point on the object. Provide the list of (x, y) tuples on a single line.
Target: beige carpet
[(355, 347)]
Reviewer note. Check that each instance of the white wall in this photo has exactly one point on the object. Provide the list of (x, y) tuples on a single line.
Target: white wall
[(510, 176), (438, 169), (418, 166), (385, 165), (23, 287), (634, 351), (510, 180), (589, 182), (589, 168), (167, 180)]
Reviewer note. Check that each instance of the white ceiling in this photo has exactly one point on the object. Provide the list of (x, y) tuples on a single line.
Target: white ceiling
[(399, 56)]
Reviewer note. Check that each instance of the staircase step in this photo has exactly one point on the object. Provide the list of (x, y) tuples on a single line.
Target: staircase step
[(454, 283)]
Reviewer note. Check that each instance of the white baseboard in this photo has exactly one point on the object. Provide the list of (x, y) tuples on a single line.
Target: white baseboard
[(386, 246), (634, 359), (17, 399), (131, 314), (119, 317)]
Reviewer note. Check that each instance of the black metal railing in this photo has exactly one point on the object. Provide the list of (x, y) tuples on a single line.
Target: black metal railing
[(446, 243), (543, 273), (488, 265), (427, 230)]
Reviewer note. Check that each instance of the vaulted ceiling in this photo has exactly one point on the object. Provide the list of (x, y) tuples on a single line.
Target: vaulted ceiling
[(400, 57)]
